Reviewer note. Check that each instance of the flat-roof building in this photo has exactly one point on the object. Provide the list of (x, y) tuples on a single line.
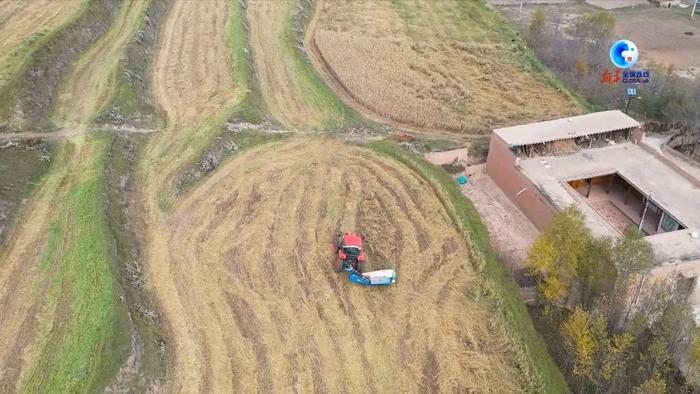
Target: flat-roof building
[(601, 164)]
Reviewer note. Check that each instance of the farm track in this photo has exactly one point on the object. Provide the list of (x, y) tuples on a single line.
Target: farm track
[(23, 283), (20, 20), (253, 302), (285, 93)]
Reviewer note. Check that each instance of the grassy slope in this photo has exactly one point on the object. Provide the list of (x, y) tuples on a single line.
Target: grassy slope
[(22, 55), (21, 170), (319, 94), (132, 97), (504, 292), (20, 88), (132, 100), (85, 347)]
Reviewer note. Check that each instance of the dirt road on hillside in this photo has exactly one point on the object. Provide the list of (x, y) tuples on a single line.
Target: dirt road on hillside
[(26, 316), (286, 95), (20, 20), (255, 306)]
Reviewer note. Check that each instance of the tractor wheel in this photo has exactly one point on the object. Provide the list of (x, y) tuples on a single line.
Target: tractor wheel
[(338, 265)]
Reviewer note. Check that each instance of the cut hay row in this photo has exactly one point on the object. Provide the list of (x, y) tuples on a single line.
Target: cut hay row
[(431, 65), (244, 279), (192, 83), (192, 70)]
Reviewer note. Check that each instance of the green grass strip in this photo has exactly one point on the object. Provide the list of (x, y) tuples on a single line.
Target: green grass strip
[(90, 336), (317, 94)]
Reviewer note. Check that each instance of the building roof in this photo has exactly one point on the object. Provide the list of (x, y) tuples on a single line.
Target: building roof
[(669, 190), (565, 128)]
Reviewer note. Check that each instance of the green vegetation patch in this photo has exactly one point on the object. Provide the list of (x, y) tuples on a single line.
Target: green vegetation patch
[(318, 94), (499, 288), (90, 336), (123, 154)]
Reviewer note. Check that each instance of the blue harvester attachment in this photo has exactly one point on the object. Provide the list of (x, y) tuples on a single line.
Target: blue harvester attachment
[(372, 278)]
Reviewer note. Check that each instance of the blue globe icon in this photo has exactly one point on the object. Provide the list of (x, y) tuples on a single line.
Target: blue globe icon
[(624, 54)]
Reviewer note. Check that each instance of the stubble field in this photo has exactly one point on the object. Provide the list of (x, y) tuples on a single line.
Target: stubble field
[(431, 65), (238, 267), (253, 293)]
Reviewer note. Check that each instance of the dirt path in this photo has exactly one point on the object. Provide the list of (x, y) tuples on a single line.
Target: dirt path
[(65, 133), (252, 300), (20, 20), (510, 231), (287, 96), (25, 311)]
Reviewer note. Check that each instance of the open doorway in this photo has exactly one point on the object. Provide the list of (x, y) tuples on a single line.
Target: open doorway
[(622, 205)]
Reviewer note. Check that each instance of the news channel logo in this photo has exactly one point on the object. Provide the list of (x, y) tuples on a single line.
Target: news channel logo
[(624, 54)]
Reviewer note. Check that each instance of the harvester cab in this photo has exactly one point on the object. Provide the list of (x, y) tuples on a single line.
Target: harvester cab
[(349, 258)]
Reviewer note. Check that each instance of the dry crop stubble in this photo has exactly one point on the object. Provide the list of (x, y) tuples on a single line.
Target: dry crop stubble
[(192, 83), (191, 76), (254, 294), (287, 93), (412, 63)]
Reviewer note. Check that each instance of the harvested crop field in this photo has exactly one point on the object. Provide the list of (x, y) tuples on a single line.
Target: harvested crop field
[(113, 278), (249, 280), (28, 20), (291, 94), (443, 65), (192, 75)]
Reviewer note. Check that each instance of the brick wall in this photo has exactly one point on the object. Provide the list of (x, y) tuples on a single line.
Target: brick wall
[(500, 165)]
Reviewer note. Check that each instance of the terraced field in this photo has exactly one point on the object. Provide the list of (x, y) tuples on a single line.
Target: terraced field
[(436, 65), (22, 23), (238, 266), (249, 255), (57, 296), (294, 96)]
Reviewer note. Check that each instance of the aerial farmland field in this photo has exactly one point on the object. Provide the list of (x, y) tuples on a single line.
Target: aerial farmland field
[(116, 275)]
